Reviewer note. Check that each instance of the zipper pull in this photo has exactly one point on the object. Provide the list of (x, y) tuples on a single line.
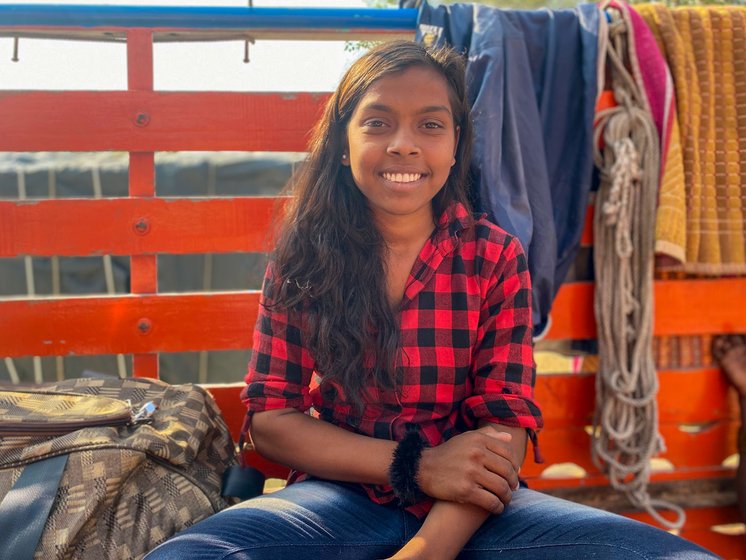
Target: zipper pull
[(145, 414)]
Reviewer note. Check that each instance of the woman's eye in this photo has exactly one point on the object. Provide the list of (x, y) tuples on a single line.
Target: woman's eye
[(433, 125), (375, 123)]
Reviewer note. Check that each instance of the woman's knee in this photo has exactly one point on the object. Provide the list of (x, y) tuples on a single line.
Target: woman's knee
[(542, 526), (312, 513)]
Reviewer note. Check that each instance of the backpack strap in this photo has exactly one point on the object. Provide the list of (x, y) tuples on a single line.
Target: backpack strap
[(25, 508)]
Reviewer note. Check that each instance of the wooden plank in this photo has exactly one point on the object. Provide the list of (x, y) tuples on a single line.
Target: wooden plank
[(597, 479), (132, 226), (146, 121), (572, 312), (127, 324), (140, 59), (34, 313), (682, 307), (695, 493), (698, 529), (572, 445), (143, 268), (227, 398), (693, 396)]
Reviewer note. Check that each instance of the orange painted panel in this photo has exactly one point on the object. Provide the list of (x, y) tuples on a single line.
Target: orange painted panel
[(697, 529), (30, 316), (146, 121), (145, 365), (140, 59), (132, 226), (127, 324), (597, 479), (698, 518), (700, 306), (270, 469), (682, 307), (685, 396), (572, 445), (227, 399), (562, 396), (572, 312)]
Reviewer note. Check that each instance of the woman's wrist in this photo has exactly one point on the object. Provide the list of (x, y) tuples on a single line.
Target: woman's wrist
[(404, 469)]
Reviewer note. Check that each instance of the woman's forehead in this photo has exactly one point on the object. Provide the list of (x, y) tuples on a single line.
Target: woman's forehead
[(416, 86)]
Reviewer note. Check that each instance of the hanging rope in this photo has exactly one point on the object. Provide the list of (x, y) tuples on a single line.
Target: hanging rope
[(626, 417)]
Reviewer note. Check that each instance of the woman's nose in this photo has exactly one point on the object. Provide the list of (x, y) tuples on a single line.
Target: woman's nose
[(403, 143)]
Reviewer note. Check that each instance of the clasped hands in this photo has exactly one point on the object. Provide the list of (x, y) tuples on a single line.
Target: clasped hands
[(478, 467)]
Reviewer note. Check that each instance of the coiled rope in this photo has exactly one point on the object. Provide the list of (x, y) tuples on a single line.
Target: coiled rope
[(626, 433)]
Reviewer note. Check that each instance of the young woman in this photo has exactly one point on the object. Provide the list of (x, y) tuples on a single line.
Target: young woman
[(405, 323)]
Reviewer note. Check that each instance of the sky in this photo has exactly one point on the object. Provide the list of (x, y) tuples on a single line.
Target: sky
[(274, 65)]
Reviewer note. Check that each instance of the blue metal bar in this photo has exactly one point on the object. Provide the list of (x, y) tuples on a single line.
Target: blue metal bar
[(205, 18)]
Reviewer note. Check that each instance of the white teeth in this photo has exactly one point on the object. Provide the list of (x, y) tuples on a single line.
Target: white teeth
[(402, 177)]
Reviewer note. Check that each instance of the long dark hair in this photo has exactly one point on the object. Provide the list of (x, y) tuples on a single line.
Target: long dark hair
[(328, 259)]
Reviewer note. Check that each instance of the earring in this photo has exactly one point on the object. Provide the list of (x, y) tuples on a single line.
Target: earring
[(344, 157)]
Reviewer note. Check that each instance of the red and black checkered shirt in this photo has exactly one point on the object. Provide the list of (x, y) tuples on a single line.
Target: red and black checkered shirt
[(465, 344)]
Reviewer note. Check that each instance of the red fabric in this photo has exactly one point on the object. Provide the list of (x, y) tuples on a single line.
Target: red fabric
[(465, 338)]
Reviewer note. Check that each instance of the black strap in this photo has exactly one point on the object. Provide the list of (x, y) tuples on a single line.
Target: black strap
[(25, 509), (242, 482)]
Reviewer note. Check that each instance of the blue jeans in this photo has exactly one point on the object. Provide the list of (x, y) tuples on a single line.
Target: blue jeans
[(318, 520)]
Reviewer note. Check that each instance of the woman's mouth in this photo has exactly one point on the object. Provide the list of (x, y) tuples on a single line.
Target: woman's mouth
[(402, 177)]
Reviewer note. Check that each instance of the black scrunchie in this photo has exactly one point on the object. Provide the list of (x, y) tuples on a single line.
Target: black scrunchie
[(403, 469)]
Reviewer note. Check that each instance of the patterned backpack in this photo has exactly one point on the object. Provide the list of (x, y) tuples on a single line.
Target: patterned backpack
[(116, 466)]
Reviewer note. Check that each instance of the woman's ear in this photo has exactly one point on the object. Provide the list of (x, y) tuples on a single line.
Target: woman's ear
[(455, 144), (345, 151)]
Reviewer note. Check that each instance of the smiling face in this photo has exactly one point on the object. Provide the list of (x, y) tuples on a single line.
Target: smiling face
[(401, 141)]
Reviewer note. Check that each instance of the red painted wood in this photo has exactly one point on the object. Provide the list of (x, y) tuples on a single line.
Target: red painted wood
[(595, 479), (682, 307), (140, 59), (26, 338), (270, 469), (132, 226), (572, 445), (142, 174), (227, 398), (112, 324), (145, 365), (143, 268), (693, 396), (157, 121), (572, 312), (699, 522), (719, 305), (144, 274)]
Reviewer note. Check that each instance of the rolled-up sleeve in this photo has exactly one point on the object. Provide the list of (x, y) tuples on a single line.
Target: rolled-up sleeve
[(503, 372), (280, 367)]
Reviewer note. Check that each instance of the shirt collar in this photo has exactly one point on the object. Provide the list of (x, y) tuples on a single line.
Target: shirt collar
[(454, 219)]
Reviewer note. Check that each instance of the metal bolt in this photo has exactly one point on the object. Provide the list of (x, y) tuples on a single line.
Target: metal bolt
[(141, 226), (144, 325), (142, 119)]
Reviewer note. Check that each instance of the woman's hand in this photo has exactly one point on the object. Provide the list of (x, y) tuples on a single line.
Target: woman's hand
[(478, 467)]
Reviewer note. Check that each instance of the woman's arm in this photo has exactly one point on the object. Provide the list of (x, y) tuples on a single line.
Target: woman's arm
[(319, 448), (450, 525), (469, 468)]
